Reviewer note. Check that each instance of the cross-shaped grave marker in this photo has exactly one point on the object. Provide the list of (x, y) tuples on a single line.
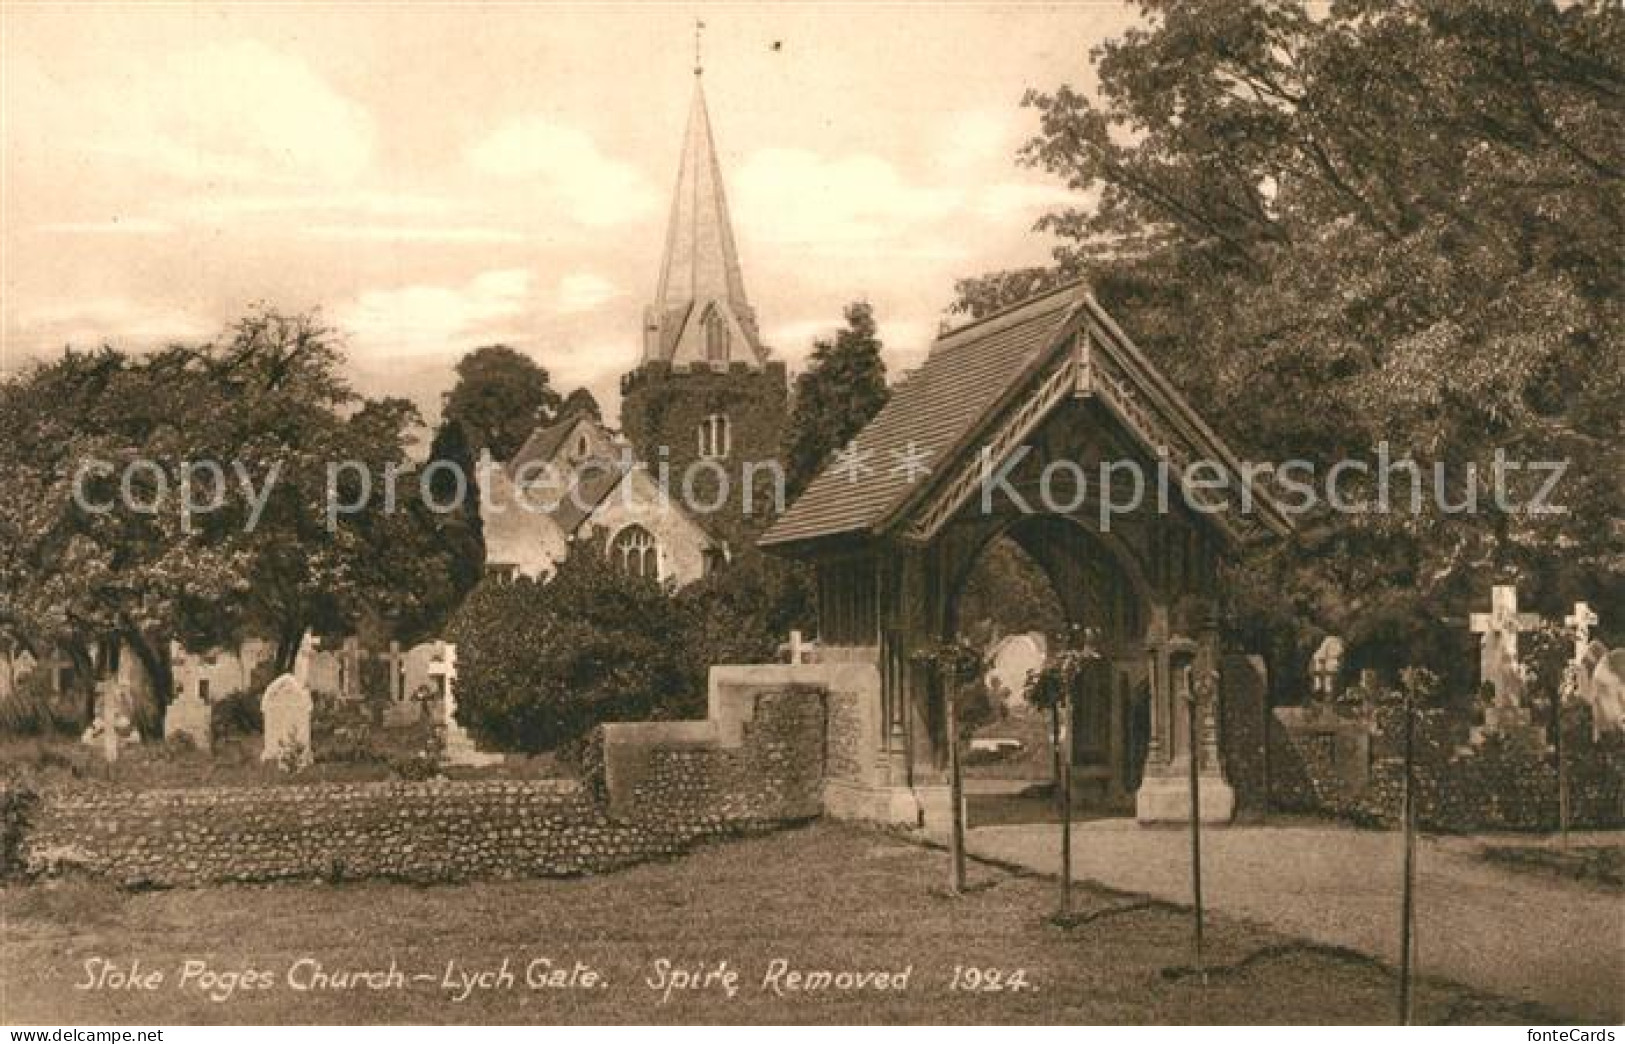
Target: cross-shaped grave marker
[(1498, 651)]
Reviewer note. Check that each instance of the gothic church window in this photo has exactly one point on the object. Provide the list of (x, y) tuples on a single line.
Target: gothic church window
[(716, 337), (635, 552), (715, 439)]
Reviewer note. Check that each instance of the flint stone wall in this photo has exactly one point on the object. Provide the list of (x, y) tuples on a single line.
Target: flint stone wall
[(1354, 767), (687, 787)]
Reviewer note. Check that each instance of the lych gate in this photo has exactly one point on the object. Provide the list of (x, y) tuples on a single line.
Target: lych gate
[(1022, 425)]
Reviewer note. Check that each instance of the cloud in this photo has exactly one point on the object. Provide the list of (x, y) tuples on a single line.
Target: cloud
[(795, 196), (360, 202), (413, 233), (236, 111), (977, 136), (127, 226), (588, 186), (584, 292), (1015, 199), (112, 320), (438, 319)]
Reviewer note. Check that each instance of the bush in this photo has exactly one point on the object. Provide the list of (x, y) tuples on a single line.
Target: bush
[(342, 731), (237, 714), (541, 663), (34, 709), (17, 801), (743, 611)]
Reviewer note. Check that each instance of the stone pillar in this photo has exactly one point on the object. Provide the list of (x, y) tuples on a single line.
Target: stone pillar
[(1190, 668)]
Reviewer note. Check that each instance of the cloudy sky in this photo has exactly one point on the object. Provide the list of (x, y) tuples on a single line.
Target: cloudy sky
[(436, 177)]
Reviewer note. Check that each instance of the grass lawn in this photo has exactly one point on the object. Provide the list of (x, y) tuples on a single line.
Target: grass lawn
[(1602, 866), (826, 897)]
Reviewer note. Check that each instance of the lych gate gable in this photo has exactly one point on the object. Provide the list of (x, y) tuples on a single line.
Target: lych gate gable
[(982, 393)]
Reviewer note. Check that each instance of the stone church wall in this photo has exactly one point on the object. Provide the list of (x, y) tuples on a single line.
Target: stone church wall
[(664, 408)]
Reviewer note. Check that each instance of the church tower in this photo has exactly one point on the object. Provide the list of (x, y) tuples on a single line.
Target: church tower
[(706, 400)]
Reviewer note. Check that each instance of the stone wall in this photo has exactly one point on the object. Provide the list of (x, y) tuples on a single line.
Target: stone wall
[(1353, 766), (1319, 761), (662, 788), (844, 747), (758, 762)]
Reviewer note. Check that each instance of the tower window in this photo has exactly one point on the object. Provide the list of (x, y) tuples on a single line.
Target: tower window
[(716, 337), (715, 440), (635, 552)]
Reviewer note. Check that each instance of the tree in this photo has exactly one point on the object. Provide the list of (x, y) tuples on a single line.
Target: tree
[(264, 553), (501, 395), (1382, 223), (581, 401), (542, 662), (841, 390), (448, 516), (742, 612)]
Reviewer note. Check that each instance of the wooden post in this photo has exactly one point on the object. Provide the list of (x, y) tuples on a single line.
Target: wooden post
[(1063, 747), (1562, 766), (956, 786), (1193, 739), (1407, 888)]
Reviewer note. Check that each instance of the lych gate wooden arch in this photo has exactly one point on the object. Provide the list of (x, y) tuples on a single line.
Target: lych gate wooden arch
[(1100, 587), (1003, 412)]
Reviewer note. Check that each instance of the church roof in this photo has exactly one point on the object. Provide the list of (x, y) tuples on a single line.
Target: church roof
[(545, 442), (700, 267), (974, 376), (588, 487)]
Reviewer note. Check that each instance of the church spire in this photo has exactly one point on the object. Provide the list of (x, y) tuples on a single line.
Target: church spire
[(700, 313)]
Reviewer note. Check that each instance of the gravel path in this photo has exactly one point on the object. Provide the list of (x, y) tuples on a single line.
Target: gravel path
[(1553, 942)]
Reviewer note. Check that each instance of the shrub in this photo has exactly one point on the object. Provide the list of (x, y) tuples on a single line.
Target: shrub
[(341, 731), (426, 762), (741, 613), (541, 663), (237, 714), (17, 801), (32, 708)]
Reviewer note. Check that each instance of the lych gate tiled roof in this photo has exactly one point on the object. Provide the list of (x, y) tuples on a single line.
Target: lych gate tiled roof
[(1011, 367), (930, 414)]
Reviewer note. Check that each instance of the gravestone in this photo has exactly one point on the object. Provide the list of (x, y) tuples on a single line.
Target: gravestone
[(192, 717), (1498, 664), (459, 745), (1326, 667), (1500, 669), (1580, 622), (798, 650), (112, 726), (1013, 659), (286, 708), (419, 688)]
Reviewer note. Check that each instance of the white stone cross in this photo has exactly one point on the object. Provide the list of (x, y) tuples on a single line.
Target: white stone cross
[(796, 648), (444, 668), (108, 693), (1581, 621), (1498, 653)]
